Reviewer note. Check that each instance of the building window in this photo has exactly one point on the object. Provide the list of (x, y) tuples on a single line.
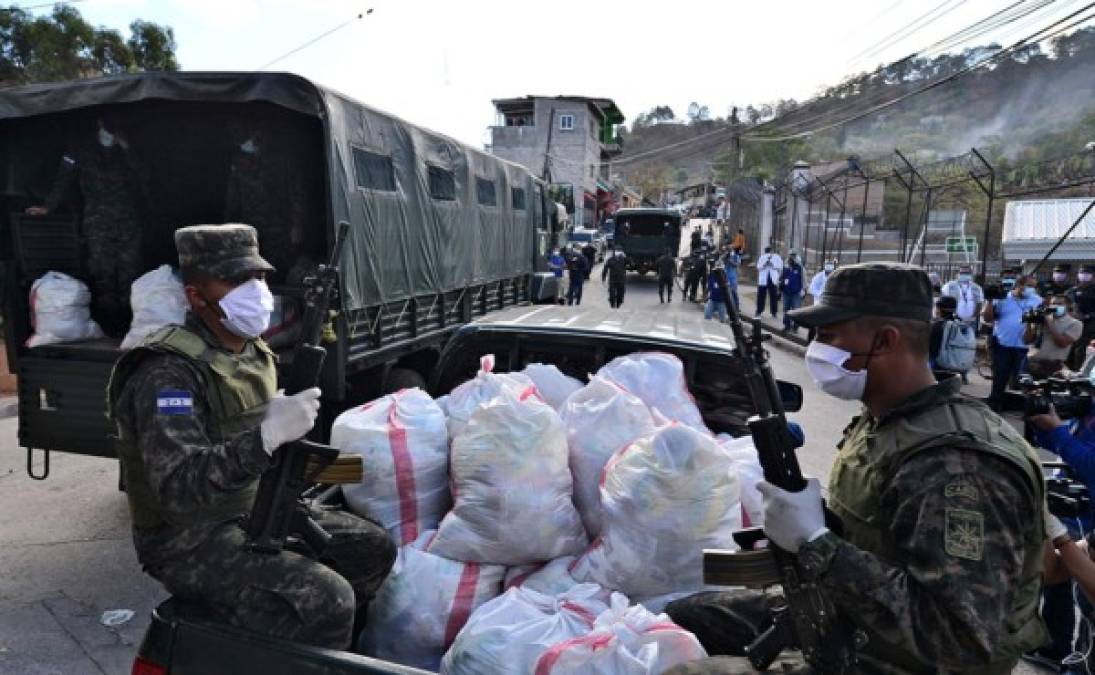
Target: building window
[(442, 183), (592, 170), (566, 122), (484, 189), (373, 171), (517, 196)]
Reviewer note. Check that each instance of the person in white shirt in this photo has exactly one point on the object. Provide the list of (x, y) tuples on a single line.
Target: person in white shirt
[(817, 284), (969, 296), (769, 269)]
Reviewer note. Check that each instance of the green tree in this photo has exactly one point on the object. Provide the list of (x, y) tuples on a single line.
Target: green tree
[(64, 46)]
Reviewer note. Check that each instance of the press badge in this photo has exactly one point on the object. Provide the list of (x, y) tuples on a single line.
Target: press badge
[(174, 402)]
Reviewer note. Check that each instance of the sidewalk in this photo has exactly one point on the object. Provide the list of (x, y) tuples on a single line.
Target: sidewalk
[(794, 343)]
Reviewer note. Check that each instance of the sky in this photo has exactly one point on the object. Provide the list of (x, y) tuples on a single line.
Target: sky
[(439, 63)]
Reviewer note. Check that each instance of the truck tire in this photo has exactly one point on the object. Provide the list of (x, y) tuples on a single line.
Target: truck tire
[(403, 378)]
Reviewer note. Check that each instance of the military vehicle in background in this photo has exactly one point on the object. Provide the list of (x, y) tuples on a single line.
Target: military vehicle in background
[(440, 233), (645, 234)]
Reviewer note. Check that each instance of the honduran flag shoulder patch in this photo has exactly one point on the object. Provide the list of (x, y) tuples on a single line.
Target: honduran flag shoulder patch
[(174, 402)]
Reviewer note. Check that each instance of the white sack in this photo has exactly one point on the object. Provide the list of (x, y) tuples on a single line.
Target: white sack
[(158, 300), (59, 311), (625, 640), (749, 472), (404, 449), (550, 578), (508, 634), (423, 604), (658, 380), (511, 487), (553, 386), (468, 397), (600, 419), (665, 498)]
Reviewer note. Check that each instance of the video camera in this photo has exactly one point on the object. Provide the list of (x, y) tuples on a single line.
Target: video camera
[(1037, 316), (999, 291), (1066, 497), (1069, 396)]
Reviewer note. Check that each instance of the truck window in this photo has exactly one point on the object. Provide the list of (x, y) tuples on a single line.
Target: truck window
[(517, 196), (442, 184), (373, 171), (484, 190)]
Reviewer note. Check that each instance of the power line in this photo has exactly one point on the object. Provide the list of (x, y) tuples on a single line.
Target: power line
[(873, 48), (316, 39), (24, 8), (1035, 37)]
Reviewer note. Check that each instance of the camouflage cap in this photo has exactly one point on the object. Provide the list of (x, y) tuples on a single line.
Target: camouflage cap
[(224, 251), (894, 290)]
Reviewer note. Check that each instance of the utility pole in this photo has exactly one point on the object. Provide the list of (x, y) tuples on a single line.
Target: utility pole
[(546, 173)]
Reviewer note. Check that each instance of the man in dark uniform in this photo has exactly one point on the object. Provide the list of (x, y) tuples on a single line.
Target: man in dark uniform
[(940, 561), (577, 273), (198, 418), (98, 162), (697, 274), (1082, 296), (615, 271), (590, 252), (666, 266)]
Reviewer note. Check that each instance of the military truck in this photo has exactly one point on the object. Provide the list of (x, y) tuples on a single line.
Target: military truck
[(645, 234), (440, 233), (185, 638)]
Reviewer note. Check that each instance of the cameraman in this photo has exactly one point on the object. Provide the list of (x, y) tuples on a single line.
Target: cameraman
[(1009, 352), (1052, 335)]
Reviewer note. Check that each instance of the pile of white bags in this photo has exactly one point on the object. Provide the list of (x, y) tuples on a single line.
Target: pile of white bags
[(658, 380), (468, 397), (551, 384), (749, 472), (511, 486), (665, 498), (158, 300), (59, 311), (575, 632), (511, 632), (423, 604), (404, 448), (625, 640), (600, 419)]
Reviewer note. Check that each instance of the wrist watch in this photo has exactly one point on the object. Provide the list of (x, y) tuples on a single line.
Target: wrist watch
[(815, 556)]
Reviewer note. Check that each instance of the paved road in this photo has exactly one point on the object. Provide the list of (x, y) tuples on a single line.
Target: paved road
[(67, 557)]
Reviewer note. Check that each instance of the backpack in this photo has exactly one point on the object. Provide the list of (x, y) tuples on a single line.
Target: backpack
[(958, 348)]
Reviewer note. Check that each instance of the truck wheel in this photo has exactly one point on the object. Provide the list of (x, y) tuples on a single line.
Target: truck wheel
[(403, 378)]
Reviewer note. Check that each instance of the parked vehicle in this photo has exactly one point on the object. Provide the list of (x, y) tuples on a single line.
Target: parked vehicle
[(582, 236), (644, 234), (441, 233), (184, 639)]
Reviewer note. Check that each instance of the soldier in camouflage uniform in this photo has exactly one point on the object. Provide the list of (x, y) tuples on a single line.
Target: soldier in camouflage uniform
[(267, 187), (940, 560), (198, 418), (99, 164)]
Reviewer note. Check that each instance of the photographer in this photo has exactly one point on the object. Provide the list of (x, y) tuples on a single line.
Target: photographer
[(1052, 331), (1009, 352)]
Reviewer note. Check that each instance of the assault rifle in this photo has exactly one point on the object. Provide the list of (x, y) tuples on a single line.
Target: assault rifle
[(278, 509), (808, 621)]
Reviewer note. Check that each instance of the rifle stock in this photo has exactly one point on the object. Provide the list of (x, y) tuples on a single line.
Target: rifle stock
[(809, 620), (278, 511)]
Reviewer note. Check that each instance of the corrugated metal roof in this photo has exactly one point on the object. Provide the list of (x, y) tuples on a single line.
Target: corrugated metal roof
[(1032, 227)]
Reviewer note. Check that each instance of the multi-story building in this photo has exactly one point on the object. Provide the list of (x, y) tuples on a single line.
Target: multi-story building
[(570, 138)]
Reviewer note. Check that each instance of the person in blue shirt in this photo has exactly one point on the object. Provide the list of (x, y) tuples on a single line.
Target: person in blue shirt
[(716, 301), (791, 284), (556, 263), (1074, 443), (731, 262), (1009, 351)]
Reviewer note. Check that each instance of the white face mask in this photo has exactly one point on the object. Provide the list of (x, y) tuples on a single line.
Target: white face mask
[(826, 366), (829, 268), (106, 139), (247, 309)]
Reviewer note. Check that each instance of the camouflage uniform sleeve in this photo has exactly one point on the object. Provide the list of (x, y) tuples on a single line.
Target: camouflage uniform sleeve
[(960, 523), (184, 468)]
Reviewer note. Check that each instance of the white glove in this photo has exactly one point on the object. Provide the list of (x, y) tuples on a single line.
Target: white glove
[(792, 518), (1054, 527), (289, 418)]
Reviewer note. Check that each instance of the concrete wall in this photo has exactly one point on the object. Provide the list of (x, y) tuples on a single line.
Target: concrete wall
[(573, 152)]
